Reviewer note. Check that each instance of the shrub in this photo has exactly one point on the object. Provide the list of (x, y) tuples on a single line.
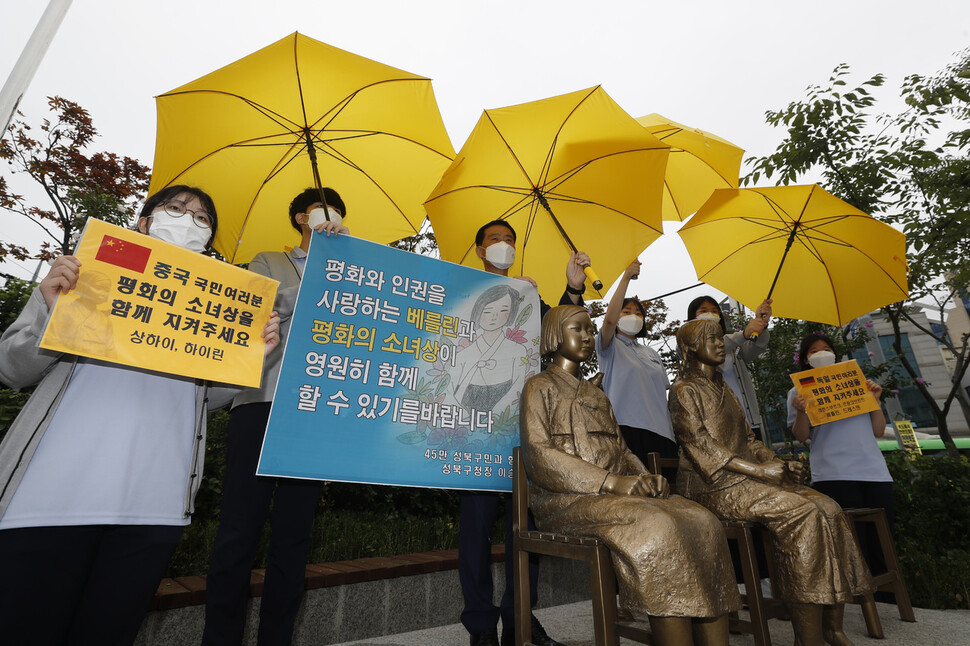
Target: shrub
[(932, 497)]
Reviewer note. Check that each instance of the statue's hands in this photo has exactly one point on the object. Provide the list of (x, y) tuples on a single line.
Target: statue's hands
[(657, 486), (624, 486), (794, 472), (773, 472)]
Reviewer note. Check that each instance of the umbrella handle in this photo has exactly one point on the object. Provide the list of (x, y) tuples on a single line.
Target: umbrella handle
[(594, 279), (754, 335)]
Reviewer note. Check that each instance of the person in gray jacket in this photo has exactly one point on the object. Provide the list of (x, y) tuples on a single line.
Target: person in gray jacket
[(246, 498), (742, 346), (99, 470)]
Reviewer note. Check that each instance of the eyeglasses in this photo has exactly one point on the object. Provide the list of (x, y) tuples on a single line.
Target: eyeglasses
[(176, 209)]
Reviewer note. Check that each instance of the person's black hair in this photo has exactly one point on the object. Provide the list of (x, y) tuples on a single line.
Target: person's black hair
[(169, 193), (493, 294), (312, 196), (643, 313), (480, 236), (696, 304), (807, 343)]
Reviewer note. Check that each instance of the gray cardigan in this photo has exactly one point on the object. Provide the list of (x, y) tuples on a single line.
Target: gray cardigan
[(23, 363), (745, 350), (280, 266)]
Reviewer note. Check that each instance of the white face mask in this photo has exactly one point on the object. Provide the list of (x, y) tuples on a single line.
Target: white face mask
[(319, 216), (708, 316), (181, 231), (630, 324), (821, 358), (500, 255)]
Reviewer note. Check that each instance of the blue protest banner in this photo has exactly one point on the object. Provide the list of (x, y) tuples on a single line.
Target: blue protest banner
[(401, 369)]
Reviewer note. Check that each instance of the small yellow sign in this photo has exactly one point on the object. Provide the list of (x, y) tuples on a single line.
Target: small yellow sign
[(907, 436), (834, 392), (149, 304)]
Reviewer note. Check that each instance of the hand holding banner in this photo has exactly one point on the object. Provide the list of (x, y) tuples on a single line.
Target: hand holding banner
[(150, 304), (834, 392), (401, 369)]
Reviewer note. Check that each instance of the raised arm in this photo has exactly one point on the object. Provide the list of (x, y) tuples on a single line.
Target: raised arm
[(576, 277), (612, 316)]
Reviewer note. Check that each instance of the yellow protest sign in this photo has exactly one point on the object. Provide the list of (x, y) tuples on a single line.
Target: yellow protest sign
[(150, 304), (907, 436), (834, 392)]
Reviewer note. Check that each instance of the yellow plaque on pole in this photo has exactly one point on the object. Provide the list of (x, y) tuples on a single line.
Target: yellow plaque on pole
[(149, 304), (907, 436), (834, 392)]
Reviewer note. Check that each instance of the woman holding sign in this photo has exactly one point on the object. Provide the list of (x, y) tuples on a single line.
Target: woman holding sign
[(847, 464), (99, 471)]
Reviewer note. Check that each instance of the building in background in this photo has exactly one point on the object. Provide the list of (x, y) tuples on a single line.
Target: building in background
[(933, 363)]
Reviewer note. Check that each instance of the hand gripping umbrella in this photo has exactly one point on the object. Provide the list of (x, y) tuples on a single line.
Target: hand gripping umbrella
[(699, 163), (818, 257), (301, 113), (569, 172)]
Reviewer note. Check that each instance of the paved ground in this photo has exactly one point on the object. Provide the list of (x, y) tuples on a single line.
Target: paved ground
[(572, 625)]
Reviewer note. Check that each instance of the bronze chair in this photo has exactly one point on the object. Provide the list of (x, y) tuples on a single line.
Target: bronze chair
[(760, 608), (889, 581), (606, 628)]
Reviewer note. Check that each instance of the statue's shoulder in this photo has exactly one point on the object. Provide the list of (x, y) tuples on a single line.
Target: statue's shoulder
[(684, 385), (540, 382)]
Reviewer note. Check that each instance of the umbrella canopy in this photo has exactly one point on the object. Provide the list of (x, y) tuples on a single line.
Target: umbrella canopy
[(699, 163), (818, 257), (248, 133), (571, 171)]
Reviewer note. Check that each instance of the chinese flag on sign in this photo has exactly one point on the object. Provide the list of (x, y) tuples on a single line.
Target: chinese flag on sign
[(123, 253)]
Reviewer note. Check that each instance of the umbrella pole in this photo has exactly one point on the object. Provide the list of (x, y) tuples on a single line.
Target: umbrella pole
[(791, 239), (316, 172), (597, 283)]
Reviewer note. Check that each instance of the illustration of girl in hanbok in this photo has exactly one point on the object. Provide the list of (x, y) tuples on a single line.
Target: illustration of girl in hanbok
[(490, 372)]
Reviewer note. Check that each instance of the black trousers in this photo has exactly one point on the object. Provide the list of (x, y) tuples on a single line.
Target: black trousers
[(857, 493), (80, 585), (478, 513), (643, 442), (246, 501)]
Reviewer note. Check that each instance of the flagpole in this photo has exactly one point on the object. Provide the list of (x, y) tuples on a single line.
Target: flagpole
[(22, 73)]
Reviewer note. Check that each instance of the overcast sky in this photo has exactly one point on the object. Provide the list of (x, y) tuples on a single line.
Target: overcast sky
[(714, 65)]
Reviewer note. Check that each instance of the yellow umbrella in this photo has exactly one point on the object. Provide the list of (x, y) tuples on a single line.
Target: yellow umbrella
[(569, 171), (256, 132), (699, 163), (818, 257)]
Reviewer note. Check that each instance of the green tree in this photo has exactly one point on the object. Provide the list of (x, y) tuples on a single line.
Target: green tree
[(912, 170), (77, 184)]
